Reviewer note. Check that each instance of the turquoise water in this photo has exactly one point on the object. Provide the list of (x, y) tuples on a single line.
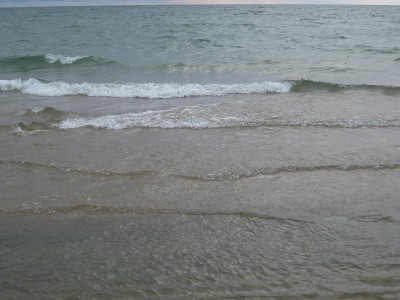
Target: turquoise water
[(200, 152)]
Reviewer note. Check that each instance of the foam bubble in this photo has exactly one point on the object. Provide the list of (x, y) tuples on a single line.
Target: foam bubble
[(142, 90), (11, 85), (65, 60), (199, 117), (183, 117), (37, 110)]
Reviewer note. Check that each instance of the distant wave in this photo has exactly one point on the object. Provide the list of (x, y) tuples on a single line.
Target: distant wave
[(145, 90), (309, 86), (34, 62), (50, 60), (65, 60)]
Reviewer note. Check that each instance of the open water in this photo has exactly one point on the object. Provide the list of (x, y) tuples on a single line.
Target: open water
[(200, 152)]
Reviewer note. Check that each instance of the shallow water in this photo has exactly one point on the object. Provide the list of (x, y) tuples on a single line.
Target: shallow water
[(179, 256), (212, 153)]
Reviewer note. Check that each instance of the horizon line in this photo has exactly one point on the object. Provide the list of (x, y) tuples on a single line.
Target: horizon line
[(192, 4)]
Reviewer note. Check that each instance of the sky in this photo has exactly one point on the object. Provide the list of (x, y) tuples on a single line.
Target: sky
[(16, 3)]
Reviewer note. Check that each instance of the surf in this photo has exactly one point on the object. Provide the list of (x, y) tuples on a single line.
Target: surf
[(38, 87)]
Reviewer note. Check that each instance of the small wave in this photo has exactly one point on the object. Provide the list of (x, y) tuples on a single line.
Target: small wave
[(42, 111), (110, 210), (197, 117), (376, 219), (183, 117), (83, 209), (34, 126), (87, 209), (23, 62), (39, 119), (65, 60), (77, 170), (225, 175), (365, 48), (145, 90), (179, 90), (309, 86), (33, 62), (218, 175), (178, 67)]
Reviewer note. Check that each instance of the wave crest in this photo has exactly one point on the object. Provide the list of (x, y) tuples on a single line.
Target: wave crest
[(196, 117), (65, 60), (143, 90), (38, 87), (303, 85), (48, 61)]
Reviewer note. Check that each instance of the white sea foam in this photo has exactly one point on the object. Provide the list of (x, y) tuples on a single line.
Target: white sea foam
[(140, 90), (198, 117), (181, 117), (37, 110), (65, 60)]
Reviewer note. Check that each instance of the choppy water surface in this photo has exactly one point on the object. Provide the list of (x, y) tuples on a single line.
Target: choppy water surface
[(200, 152)]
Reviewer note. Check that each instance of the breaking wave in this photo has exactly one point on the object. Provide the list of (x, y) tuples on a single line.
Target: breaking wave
[(136, 90), (197, 118), (34, 62), (39, 87), (65, 60)]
